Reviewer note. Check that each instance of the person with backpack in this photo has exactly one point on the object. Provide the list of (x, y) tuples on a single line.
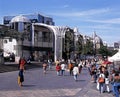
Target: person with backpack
[(101, 81)]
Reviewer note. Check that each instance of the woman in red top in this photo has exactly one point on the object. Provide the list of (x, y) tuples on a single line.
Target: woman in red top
[(22, 63), (58, 68)]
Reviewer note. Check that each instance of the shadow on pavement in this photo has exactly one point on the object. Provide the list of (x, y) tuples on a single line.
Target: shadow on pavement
[(29, 85)]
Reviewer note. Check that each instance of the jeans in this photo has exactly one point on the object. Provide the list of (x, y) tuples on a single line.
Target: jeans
[(75, 77), (62, 72), (112, 86), (95, 77), (58, 73), (116, 85), (101, 87)]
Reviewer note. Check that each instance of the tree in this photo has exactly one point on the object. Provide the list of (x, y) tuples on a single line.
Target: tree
[(69, 43), (104, 51), (79, 44), (6, 31), (89, 47)]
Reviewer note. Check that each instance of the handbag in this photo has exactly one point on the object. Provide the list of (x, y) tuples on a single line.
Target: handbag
[(18, 79), (101, 79)]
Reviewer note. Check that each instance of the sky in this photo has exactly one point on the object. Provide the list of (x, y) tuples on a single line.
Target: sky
[(100, 16)]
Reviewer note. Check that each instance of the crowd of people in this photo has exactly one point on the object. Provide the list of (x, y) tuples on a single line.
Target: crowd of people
[(107, 79), (74, 68)]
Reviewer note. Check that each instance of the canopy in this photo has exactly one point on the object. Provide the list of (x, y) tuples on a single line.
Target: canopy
[(115, 57), (106, 62)]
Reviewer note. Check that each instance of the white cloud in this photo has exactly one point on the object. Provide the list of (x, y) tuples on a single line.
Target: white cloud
[(81, 13), (111, 21)]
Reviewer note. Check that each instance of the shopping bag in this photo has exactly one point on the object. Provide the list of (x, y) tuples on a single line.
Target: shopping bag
[(18, 79)]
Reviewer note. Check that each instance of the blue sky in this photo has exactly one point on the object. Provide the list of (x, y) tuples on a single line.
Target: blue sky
[(102, 16)]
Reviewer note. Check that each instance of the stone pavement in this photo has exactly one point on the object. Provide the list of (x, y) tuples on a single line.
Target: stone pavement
[(91, 91), (37, 84)]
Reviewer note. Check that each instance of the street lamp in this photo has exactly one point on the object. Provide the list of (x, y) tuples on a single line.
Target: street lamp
[(84, 46)]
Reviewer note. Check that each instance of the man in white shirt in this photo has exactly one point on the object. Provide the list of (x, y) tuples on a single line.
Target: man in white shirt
[(75, 72), (63, 67)]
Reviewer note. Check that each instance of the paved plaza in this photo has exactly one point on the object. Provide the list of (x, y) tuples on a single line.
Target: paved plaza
[(37, 84)]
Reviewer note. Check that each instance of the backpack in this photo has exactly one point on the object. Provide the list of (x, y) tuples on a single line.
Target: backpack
[(101, 79)]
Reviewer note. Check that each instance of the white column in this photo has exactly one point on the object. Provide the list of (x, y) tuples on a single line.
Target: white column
[(55, 50), (33, 32)]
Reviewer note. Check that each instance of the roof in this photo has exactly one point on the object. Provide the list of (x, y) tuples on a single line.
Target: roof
[(20, 18)]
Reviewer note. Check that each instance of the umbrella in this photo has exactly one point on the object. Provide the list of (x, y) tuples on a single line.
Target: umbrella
[(107, 62)]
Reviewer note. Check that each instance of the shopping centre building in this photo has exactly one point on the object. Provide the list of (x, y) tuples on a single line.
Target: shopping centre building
[(41, 39)]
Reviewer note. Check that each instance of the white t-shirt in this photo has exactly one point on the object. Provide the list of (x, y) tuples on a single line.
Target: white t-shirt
[(75, 70), (63, 66)]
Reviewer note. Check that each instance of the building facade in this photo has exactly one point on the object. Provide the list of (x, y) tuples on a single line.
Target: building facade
[(40, 39)]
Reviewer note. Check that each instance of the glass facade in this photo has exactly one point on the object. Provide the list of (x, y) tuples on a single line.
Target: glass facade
[(34, 18)]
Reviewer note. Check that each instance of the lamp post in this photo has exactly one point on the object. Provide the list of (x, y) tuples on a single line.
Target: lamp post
[(84, 46), (94, 47)]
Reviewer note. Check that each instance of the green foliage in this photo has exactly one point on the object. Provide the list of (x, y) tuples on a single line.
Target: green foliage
[(106, 52), (69, 43)]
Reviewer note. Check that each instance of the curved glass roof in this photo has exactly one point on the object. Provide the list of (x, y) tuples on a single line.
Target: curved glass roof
[(20, 18)]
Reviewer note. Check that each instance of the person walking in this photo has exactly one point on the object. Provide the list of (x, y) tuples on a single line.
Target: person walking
[(112, 81), (75, 72), (80, 67), (116, 84), (50, 63), (63, 68), (22, 63), (44, 67), (58, 69), (101, 80), (106, 73), (70, 67)]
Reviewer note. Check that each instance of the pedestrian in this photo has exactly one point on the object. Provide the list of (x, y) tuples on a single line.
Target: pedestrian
[(63, 68), (94, 73), (116, 84), (50, 63), (44, 67), (70, 67), (112, 81), (80, 67), (106, 73), (101, 80), (58, 69), (75, 72), (22, 63)]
